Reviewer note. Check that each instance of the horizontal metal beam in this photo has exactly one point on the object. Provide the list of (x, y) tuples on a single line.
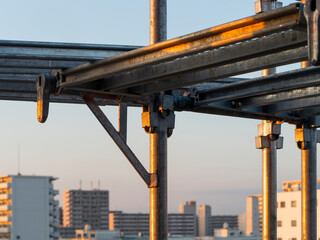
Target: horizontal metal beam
[(263, 85), (226, 34), (282, 48)]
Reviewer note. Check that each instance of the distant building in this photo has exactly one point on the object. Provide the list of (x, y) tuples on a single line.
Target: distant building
[(138, 223), (252, 216), (82, 207), (27, 208), (204, 221), (289, 211), (189, 208), (218, 221), (89, 234)]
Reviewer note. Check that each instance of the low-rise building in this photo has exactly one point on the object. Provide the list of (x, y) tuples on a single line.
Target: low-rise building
[(138, 223)]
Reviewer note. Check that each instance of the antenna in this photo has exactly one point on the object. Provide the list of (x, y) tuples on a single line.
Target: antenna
[(19, 159)]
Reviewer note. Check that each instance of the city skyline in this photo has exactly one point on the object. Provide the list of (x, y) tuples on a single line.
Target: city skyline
[(210, 157)]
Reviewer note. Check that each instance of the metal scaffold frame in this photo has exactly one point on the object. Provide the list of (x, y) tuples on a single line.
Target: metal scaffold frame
[(193, 73)]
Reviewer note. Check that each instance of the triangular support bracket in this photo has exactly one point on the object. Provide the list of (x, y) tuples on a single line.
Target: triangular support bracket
[(149, 179)]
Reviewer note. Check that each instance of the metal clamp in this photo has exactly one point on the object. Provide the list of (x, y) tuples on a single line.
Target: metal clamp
[(304, 136), (45, 84), (311, 13), (266, 5), (163, 108), (269, 131)]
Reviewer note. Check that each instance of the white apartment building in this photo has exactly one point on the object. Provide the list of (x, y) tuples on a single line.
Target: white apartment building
[(288, 211), (27, 208), (86, 207)]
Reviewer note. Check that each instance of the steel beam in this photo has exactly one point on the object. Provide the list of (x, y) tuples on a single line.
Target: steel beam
[(237, 31)]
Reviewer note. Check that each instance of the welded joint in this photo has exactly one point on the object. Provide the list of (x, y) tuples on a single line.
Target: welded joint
[(266, 5), (153, 180), (311, 13), (305, 136)]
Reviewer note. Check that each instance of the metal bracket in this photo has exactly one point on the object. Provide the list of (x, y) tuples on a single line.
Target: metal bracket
[(266, 5), (311, 12), (45, 85), (163, 108), (269, 131), (304, 136), (148, 178), (153, 180)]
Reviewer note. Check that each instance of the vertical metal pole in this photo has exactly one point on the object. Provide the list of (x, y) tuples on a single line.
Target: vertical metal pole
[(309, 181), (306, 137), (158, 139), (158, 21), (309, 191), (269, 141), (269, 190), (269, 154)]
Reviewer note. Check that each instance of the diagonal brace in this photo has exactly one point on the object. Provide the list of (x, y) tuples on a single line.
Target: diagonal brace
[(148, 178)]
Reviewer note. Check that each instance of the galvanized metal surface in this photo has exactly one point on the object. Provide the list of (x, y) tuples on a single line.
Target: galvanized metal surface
[(158, 229), (237, 31), (306, 138)]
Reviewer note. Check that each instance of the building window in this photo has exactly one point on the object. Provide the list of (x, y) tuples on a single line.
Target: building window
[(293, 203), (293, 238), (279, 238), (279, 223), (282, 204), (293, 223)]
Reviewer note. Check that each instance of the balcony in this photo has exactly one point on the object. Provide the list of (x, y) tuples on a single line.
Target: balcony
[(5, 196), (5, 185), (5, 229), (5, 219), (5, 207)]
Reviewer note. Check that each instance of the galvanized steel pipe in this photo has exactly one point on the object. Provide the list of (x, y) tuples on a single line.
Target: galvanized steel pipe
[(158, 139)]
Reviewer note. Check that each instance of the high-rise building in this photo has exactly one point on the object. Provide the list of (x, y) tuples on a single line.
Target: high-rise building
[(204, 221), (189, 208), (82, 207), (27, 208), (138, 223), (252, 216)]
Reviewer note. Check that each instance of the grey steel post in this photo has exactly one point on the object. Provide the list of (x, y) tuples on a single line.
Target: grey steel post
[(306, 138), (158, 128), (269, 141)]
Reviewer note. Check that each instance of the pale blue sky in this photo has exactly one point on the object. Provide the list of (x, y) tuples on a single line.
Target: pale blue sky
[(212, 159)]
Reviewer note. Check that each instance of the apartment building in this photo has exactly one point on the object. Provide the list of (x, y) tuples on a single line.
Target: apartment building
[(204, 221), (86, 207), (138, 223), (28, 209)]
